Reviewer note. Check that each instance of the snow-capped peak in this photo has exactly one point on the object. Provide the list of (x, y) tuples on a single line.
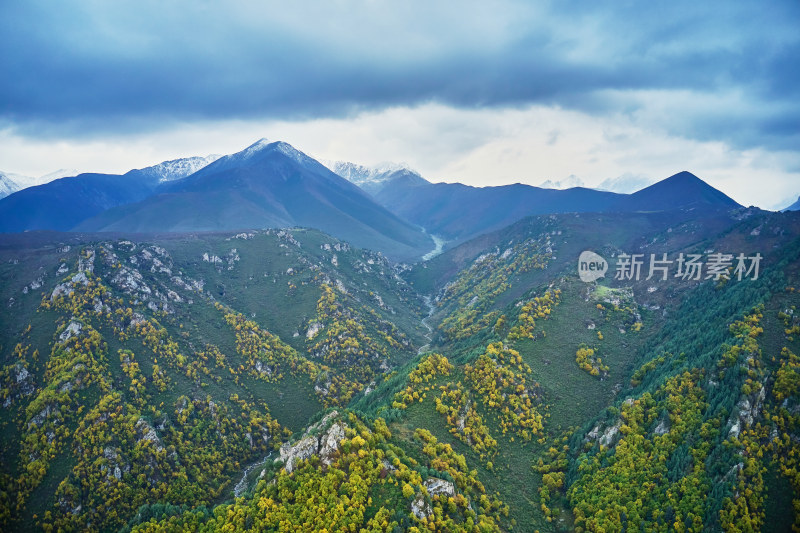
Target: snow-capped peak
[(567, 183), (7, 185), (254, 148), (626, 183), (361, 175), (264, 146), (178, 168), (58, 174), (292, 152), (23, 182)]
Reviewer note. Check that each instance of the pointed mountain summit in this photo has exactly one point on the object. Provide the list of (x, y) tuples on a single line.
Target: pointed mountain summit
[(682, 190), (458, 212), (268, 185)]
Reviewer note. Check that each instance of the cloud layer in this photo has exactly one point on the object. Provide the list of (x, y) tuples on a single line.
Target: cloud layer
[(708, 72), (703, 69)]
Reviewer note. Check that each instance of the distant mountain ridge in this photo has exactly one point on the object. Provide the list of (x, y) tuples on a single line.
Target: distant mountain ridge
[(11, 183), (178, 168), (682, 190), (390, 208), (373, 179), (458, 212), (268, 184), (64, 202)]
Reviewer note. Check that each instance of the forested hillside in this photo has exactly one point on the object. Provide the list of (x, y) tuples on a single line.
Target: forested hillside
[(284, 380)]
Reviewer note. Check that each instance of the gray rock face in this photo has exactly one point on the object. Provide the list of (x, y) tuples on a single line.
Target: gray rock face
[(662, 428), (72, 330), (608, 435), (66, 287), (437, 486), (313, 329), (329, 442), (148, 433), (420, 507), (748, 412), (131, 282), (323, 445), (300, 451), (86, 261)]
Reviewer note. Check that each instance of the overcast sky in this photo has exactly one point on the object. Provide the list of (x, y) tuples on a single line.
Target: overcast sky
[(485, 93)]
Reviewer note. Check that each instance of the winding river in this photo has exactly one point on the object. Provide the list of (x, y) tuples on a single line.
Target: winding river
[(240, 487)]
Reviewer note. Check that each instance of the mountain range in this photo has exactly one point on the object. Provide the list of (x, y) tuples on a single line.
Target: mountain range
[(390, 208), (11, 183), (271, 379), (458, 212), (267, 185)]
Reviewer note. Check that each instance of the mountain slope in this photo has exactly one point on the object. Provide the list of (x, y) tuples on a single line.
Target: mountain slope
[(459, 212), (63, 203), (167, 375), (794, 207), (374, 179), (678, 191), (209, 350), (177, 168), (268, 185), (23, 182), (7, 185)]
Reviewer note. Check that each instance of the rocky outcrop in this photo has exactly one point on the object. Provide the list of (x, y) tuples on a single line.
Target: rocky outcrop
[(299, 451), (329, 442), (662, 428), (131, 281), (436, 486), (747, 411), (323, 443), (148, 434), (313, 329), (606, 434), (86, 261), (73, 329), (20, 384), (609, 434), (65, 289), (420, 508)]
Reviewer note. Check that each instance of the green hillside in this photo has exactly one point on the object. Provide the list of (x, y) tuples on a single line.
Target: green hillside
[(284, 380)]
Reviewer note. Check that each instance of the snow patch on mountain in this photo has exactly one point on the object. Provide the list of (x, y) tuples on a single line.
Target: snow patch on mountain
[(11, 183), (569, 182), (626, 183), (262, 147), (178, 168), (58, 174), (7, 185), (363, 175), (252, 150)]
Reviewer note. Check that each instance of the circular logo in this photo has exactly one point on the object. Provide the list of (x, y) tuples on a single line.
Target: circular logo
[(591, 266)]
